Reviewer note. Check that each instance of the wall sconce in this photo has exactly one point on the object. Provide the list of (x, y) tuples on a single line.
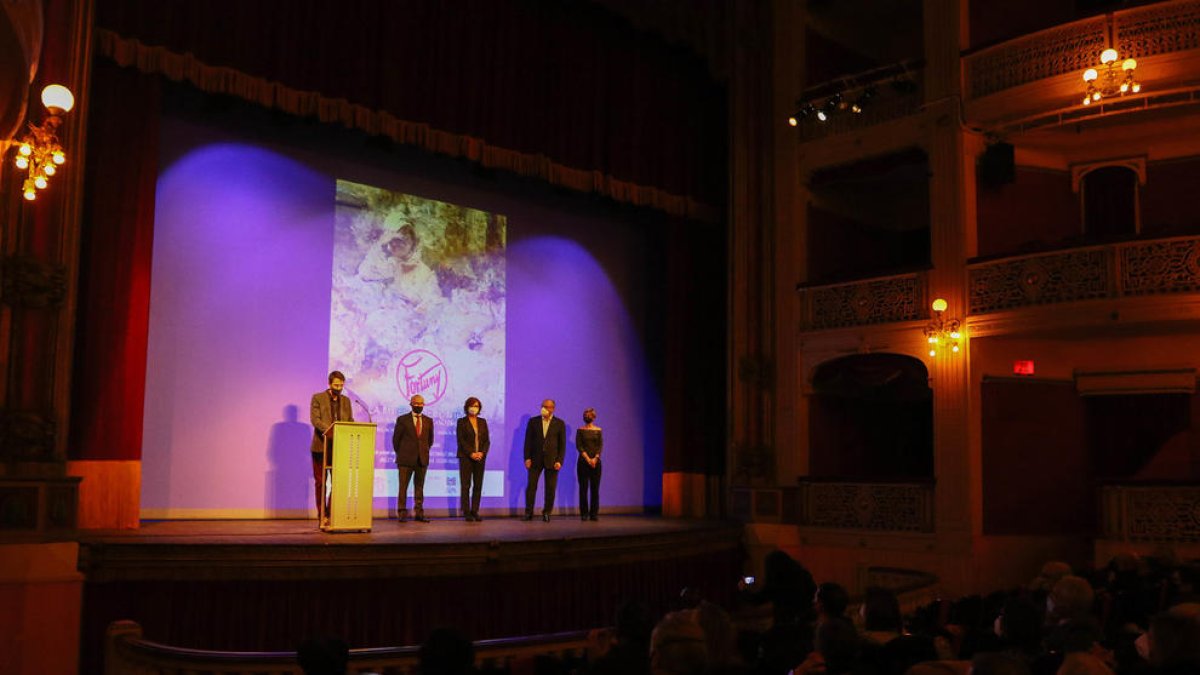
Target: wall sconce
[(941, 333), (1110, 82), (39, 152)]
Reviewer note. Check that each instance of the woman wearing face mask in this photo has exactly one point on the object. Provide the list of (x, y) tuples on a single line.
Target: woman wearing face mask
[(473, 444), (589, 441)]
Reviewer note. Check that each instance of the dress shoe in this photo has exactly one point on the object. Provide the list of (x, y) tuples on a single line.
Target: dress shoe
[(477, 518), (545, 517), (402, 518), (583, 517), (527, 516), (593, 518), (421, 519)]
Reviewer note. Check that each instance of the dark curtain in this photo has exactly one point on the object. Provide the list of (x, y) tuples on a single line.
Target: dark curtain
[(114, 269), (1110, 203), (1126, 432), (566, 80)]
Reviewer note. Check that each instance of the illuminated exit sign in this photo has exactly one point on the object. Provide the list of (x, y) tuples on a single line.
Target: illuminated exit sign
[(1022, 367)]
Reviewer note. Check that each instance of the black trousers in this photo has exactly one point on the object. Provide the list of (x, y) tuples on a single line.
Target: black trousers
[(535, 472), (417, 475), (589, 482), (470, 482)]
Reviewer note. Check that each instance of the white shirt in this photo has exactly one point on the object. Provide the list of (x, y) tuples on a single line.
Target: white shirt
[(546, 425)]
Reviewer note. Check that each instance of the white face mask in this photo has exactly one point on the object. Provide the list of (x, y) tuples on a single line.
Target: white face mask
[(545, 411), (474, 410)]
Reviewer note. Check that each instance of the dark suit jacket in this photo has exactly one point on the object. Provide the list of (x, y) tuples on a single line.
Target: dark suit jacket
[(466, 437), (549, 449), (410, 450), (321, 416)]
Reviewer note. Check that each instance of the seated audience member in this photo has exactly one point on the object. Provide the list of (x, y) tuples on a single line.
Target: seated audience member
[(629, 651), (788, 586), (836, 652), (1174, 641), (721, 637), (1050, 574), (1081, 663), (327, 656), (678, 645), (1070, 598), (880, 613), (996, 663), (830, 602), (447, 652)]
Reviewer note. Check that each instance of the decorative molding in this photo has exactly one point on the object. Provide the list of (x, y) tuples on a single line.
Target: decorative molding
[(1082, 274), (888, 507), (861, 303), (1054, 51), (1159, 267), (1161, 28), (1134, 164), (29, 283), (1158, 513)]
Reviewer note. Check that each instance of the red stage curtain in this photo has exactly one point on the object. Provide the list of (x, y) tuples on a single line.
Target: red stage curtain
[(114, 270), (564, 83)]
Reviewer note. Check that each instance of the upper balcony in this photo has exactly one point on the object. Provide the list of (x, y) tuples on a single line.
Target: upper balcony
[(1036, 81)]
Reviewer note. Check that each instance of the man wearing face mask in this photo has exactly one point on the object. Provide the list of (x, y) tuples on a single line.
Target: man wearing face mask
[(411, 441), (545, 445), (328, 406)]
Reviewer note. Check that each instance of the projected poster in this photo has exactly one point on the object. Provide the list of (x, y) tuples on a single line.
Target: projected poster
[(418, 307)]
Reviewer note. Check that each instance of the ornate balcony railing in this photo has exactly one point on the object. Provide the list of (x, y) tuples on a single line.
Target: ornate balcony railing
[(1137, 268), (859, 303), (1162, 28), (127, 652), (849, 505), (1150, 513)]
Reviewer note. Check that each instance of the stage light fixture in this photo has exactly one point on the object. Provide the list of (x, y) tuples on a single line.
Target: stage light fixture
[(39, 152)]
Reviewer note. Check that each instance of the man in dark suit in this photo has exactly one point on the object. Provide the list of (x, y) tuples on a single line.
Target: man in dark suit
[(411, 441), (327, 407), (545, 446)]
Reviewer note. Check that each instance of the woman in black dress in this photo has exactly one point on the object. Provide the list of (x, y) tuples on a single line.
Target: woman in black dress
[(588, 441), (473, 444)]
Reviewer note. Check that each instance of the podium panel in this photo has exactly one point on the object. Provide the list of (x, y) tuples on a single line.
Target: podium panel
[(349, 467)]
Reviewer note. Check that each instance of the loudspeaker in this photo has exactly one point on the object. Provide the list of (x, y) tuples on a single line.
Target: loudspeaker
[(996, 165)]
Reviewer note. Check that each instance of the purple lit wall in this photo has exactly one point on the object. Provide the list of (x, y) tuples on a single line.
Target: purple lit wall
[(239, 326)]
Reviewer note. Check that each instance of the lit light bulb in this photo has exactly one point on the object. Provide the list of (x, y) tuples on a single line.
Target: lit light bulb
[(822, 116), (1108, 56), (1090, 74), (954, 349), (40, 182), (1087, 100), (939, 305), (49, 169), (1136, 87), (932, 352), (954, 335), (1129, 64), (932, 340), (1096, 96), (58, 99), (792, 121), (30, 195), (1124, 87), (856, 108), (26, 149), (22, 162), (58, 157)]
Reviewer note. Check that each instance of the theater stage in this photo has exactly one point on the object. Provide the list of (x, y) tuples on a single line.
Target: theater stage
[(264, 585)]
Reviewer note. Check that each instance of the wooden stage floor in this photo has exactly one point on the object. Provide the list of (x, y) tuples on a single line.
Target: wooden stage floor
[(297, 549)]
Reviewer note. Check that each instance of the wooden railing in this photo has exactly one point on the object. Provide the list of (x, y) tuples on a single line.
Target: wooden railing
[(1136, 268), (1161, 28), (127, 653), (859, 303), (848, 505), (1167, 513)]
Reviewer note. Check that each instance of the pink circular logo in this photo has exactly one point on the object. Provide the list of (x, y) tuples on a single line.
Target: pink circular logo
[(422, 372)]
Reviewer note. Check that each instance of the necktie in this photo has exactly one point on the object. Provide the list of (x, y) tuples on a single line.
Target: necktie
[(418, 427)]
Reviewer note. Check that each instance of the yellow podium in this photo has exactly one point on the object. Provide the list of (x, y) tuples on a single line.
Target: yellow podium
[(349, 466)]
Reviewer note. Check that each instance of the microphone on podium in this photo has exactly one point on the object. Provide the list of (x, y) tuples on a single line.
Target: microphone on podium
[(363, 406)]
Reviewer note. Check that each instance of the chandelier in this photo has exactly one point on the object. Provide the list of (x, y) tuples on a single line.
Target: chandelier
[(941, 332), (39, 153), (1111, 80)]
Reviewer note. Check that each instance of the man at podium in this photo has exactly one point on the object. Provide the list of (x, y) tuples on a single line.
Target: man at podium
[(328, 406)]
